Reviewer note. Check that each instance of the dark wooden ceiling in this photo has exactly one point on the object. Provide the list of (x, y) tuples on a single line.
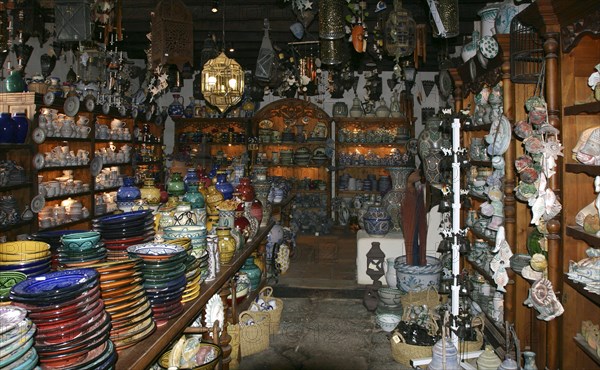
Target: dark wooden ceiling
[(244, 26)]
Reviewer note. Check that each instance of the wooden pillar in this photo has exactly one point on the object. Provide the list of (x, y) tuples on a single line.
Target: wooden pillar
[(458, 90), (509, 177), (553, 91)]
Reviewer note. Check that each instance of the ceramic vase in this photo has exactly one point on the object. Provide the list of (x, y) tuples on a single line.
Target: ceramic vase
[(226, 244), (128, 192), (150, 193), (377, 221), (241, 222), (506, 12), (395, 110), (253, 272), (529, 361), (382, 110), (488, 360), (340, 109), (176, 107), (22, 127), (262, 190), (256, 210), (14, 83), (194, 197), (470, 49), (213, 199), (191, 177), (390, 273), (245, 190), (7, 128), (175, 186), (188, 112), (432, 140), (444, 356), (223, 186), (392, 200), (227, 218), (254, 223), (488, 19), (411, 278), (356, 110)]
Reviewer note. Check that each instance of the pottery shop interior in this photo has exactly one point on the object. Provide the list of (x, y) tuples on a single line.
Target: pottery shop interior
[(299, 184)]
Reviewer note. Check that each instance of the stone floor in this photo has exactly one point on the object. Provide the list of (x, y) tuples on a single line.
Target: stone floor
[(324, 324)]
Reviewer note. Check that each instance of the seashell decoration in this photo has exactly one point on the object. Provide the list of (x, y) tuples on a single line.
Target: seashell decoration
[(544, 300)]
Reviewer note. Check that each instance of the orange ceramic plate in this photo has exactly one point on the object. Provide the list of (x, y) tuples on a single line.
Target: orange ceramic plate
[(134, 279)]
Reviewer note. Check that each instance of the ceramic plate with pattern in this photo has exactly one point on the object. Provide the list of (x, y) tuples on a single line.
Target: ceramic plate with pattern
[(37, 203), (39, 161), (49, 98), (38, 135), (96, 166), (71, 106), (445, 81), (265, 124), (10, 317)]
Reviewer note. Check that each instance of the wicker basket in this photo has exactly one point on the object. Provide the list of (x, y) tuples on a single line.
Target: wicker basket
[(254, 338), (274, 315), (403, 352), (429, 297)]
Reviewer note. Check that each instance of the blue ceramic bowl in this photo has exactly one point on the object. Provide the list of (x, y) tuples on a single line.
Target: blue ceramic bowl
[(81, 241)]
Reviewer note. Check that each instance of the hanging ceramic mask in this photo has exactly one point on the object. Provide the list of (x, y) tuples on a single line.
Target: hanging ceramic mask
[(523, 129), (359, 41)]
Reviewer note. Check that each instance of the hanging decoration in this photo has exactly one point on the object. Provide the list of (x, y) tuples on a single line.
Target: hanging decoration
[(72, 20), (172, 34), (222, 82), (444, 18), (331, 19), (357, 28), (400, 31), (29, 22), (266, 64)]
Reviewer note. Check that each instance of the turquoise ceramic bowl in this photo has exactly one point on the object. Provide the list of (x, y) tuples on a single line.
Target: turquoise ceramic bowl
[(80, 241)]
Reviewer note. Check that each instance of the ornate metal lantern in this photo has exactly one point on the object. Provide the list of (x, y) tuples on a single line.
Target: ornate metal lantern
[(266, 64), (172, 34), (444, 17), (375, 262), (400, 30), (331, 19), (222, 82), (72, 20)]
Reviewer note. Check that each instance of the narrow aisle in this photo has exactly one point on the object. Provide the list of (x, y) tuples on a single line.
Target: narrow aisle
[(321, 333)]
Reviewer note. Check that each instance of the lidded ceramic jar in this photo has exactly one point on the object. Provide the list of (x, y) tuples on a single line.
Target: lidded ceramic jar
[(253, 271), (340, 109), (224, 186), (150, 193), (356, 110), (194, 197), (377, 221), (245, 190), (176, 186), (488, 360), (226, 244)]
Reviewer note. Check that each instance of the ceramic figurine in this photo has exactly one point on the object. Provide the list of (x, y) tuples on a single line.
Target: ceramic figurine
[(544, 300)]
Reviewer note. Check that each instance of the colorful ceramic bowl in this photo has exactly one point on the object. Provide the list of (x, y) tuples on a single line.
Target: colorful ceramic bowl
[(388, 322), (81, 241), (23, 250), (8, 279)]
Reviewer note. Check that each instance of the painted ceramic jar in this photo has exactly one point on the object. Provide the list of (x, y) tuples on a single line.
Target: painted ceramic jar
[(223, 186), (7, 128), (213, 199), (175, 186), (150, 193), (382, 110), (417, 278), (506, 12), (256, 210), (470, 49), (22, 127), (241, 222), (194, 197), (392, 200), (340, 109), (254, 223), (226, 244), (390, 273), (356, 110), (488, 19), (176, 107), (128, 192), (227, 218), (245, 190), (14, 83), (253, 272), (190, 178), (377, 222)]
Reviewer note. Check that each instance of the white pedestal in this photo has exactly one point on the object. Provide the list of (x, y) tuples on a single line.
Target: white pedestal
[(392, 245)]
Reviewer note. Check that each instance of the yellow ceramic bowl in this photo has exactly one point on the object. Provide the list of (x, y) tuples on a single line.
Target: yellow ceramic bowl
[(23, 250)]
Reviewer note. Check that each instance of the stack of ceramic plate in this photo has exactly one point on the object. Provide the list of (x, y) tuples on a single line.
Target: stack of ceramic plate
[(125, 301), (16, 339), (81, 249), (72, 326), (53, 238), (195, 233), (164, 270), (26, 256), (124, 230), (8, 279)]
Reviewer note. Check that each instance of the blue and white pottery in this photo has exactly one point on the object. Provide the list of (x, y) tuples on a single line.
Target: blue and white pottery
[(377, 221), (128, 192), (507, 11), (223, 186), (417, 278), (488, 18)]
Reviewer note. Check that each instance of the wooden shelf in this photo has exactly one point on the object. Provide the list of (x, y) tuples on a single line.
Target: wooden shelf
[(142, 163), (69, 139), (294, 143), (113, 141), (295, 165), (472, 128), (581, 343), (595, 298), (481, 163), (116, 164), (145, 353), (66, 224), (358, 191), (372, 145), (487, 276), (588, 169), (14, 146), (308, 191), (587, 108), (60, 168), (15, 186), (577, 232), (341, 167), (18, 224), (387, 121), (65, 196)]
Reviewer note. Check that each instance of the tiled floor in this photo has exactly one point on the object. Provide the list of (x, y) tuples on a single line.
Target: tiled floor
[(324, 324)]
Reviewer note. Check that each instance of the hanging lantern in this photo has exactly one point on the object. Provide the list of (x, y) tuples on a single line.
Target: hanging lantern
[(331, 19), (375, 262), (400, 30), (444, 18), (266, 64), (209, 50), (172, 34), (333, 51), (72, 20), (222, 82)]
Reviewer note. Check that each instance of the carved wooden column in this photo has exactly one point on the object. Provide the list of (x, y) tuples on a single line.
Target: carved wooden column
[(553, 91), (458, 89), (509, 176)]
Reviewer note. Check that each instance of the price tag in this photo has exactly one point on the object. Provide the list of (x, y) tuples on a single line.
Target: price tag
[(396, 339)]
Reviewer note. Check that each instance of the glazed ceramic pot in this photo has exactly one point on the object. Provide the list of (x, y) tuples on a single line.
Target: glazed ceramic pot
[(150, 193), (506, 12), (128, 192), (488, 360), (194, 197), (254, 223), (340, 109), (356, 110), (245, 190), (8, 128), (226, 244), (256, 210), (227, 218), (241, 222), (190, 177), (22, 127), (390, 273), (253, 272), (14, 83), (377, 221), (417, 278), (213, 199), (488, 18), (431, 138), (188, 112), (223, 186), (176, 186), (382, 110), (529, 361), (262, 192), (470, 49), (176, 107), (444, 356), (392, 200)]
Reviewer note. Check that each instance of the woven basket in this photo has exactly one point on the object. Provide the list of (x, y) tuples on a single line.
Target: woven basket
[(403, 352), (274, 315), (429, 297), (254, 338)]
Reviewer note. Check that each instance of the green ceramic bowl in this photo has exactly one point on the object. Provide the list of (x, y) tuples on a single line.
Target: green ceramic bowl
[(80, 241), (8, 279)]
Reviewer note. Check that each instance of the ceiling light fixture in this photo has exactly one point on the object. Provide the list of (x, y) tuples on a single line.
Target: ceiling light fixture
[(222, 79), (215, 6)]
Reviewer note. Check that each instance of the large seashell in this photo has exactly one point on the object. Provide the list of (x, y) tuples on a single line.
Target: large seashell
[(538, 262), (585, 135)]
